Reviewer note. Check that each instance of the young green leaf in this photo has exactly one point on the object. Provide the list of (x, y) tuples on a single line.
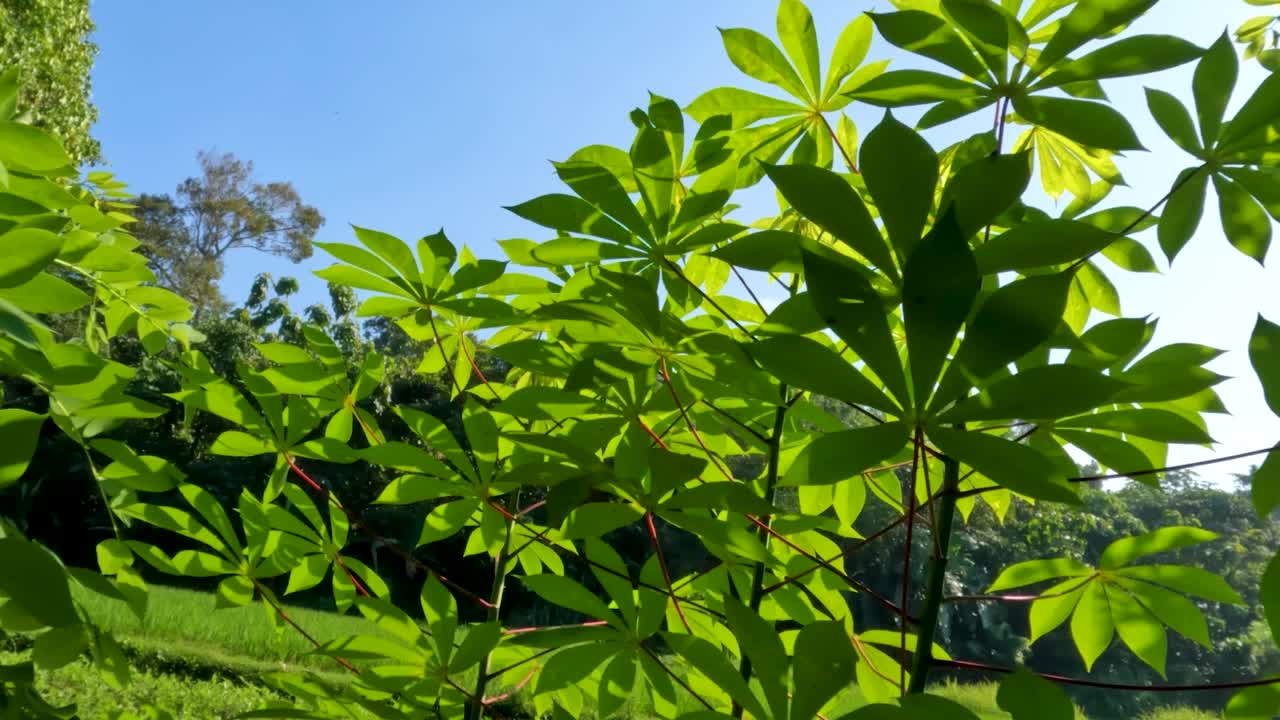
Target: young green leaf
[(1138, 628), (1088, 20), (800, 39), (1136, 55), (757, 56), (1030, 572), (1126, 550), (1092, 627), (1155, 424)]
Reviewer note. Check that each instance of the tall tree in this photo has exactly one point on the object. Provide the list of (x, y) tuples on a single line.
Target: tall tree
[(49, 41), (189, 234)]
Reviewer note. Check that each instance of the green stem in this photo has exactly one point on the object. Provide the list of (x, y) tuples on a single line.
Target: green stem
[(923, 657), (475, 711)]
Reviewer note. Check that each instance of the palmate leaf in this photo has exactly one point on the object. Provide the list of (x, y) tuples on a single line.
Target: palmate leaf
[(1135, 602), (798, 124)]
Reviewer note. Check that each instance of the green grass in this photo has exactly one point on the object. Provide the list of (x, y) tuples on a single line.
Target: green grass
[(184, 624), (202, 663), (213, 698)]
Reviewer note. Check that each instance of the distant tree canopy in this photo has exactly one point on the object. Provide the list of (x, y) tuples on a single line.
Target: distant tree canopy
[(189, 233), (49, 41)]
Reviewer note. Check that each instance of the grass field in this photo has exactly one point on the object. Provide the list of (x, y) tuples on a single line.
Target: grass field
[(207, 665)]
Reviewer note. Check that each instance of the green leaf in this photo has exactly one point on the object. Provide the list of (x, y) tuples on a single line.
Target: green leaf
[(757, 56), (21, 431), (1136, 55), (1040, 244), (392, 249), (1027, 696), (846, 302), (711, 662), (446, 519), (1244, 221), (989, 30), (1174, 120), (1269, 591), (800, 39), (1111, 452), (1154, 424), (1260, 702), (927, 34), (1030, 572), (743, 106), (1183, 211), (901, 88), (1014, 320), (59, 646), (940, 283), (596, 519), (36, 583), (1259, 110), (1171, 609), (1126, 550), (807, 364), (1264, 355), (655, 172), (827, 199), (1054, 606), (560, 590), (1138, 628), (982, 190), (601, 188), (29, 148), (617, 683), (234, 443), (1088, 20), (762, 645), (851, 49), (46, 293), (403, 456), (1046, 392), (234, 591), (1189, 580), (25, 252), (839, 456), (1012, 465), (1091, 124), (1266, 485), (823, 665), (766, 251), (440, 611), (901, 171), (1092, 626), (571, 214), (308, 573), (1212, 85)]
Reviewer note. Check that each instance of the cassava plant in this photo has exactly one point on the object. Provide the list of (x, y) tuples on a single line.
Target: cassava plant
[(963, 327)]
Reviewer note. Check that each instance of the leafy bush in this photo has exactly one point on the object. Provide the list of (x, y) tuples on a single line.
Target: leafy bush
[(923, 295)]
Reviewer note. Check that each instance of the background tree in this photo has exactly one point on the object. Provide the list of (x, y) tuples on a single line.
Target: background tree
[(189, 234), (49, 41)]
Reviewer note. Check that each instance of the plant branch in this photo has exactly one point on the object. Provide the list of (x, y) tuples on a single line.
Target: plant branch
[(923, 659), (1133, 687)]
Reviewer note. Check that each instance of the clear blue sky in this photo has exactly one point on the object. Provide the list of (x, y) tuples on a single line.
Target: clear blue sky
[(412, 116)]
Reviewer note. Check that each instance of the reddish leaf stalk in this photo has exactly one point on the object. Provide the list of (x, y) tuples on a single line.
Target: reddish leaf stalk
[(279, 610), (666, 572)]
